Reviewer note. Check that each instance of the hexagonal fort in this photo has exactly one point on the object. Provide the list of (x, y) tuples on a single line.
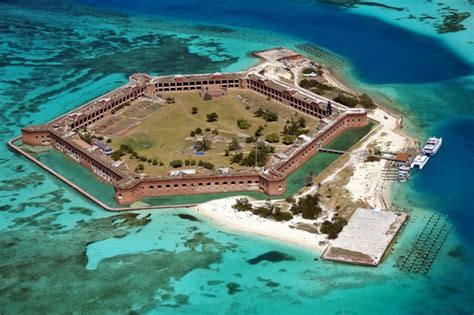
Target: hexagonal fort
[(192, 134)]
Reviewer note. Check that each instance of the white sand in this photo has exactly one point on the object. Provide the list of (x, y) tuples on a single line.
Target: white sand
[(366, 184), (221, 212)]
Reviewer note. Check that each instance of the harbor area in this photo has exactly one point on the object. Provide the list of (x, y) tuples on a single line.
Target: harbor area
[(366, 237)]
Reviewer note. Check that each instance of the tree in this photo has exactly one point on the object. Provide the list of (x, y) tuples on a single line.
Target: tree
[(302, 122), (212, 117), (176, 163), (236, 158), (194, 110), (243, 124), (346, 100), (116, 155), (259, 131), (272, 138), (249, 139), (234, 145), (308, 207), (202, 145), (198, 131), (332, 229), (192, 133), (270, 116), (366, 101), (242, 204), (288, 139)]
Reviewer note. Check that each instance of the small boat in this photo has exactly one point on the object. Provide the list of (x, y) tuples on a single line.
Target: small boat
[(432, 146), (420, 161)]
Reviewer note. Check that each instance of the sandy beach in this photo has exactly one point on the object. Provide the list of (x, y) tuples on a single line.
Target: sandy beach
[(222, 213)]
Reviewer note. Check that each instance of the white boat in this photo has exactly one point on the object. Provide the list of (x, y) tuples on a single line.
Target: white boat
[(432, 145), (420, 160)]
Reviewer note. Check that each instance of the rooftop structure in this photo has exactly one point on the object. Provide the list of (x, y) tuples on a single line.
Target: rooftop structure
[(366, 237)]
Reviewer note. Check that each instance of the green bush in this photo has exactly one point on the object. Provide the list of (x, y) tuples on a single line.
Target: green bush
[(332, 229), (243, 124), (308, 207), (346, 100), (176, 163), (272, 138), (212, 117)]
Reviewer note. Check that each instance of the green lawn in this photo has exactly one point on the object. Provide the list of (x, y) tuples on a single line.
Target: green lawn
[(162, 135)]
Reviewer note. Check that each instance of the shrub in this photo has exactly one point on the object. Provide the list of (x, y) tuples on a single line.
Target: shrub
[(243, 124), (242, 204), (202, 145), (198, 131), (194, 110), (346, 100), (332, 229), (290, 199), (154, 162), (272, 138), (143, 158), (234, 145), (207, 129), (249, 140), (236, 158), (187, 162), (176, 163), (100, 138), (308, 207), (207, 97), (149, 160), (283, 216), (215, 132), (206, 165), (193, 162), (109, 140), (116, 155), (366, 101), (259, 131), (192, 133), (212, 117), (288, 139)]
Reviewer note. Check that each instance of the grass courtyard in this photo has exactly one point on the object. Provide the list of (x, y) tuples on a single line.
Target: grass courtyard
[(165, 134)]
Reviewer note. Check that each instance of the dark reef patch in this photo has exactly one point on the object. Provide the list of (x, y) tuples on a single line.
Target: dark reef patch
[(233, 288), (272, 256), (189, 217)]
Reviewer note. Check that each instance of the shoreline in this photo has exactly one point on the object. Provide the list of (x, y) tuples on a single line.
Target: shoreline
[(221, 213)]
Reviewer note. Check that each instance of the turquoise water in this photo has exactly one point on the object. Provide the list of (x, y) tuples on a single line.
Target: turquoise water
[(61, 253)]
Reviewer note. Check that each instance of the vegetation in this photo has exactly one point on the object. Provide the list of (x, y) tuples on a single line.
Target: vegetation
[(236, 158), (176, 163), (309, 179), (259, 153), (272, 138), (266, 211), (86, 137), (268, 115), (206, 165), (259, 131), (294, 128), (243, 124), (194, 110), (349, 101), (170, 100), (202, 145), (312, 70), (366, 101), (212, 117), (234, 145), (308, 207), (332, 229), (288, 139), (315, 86)]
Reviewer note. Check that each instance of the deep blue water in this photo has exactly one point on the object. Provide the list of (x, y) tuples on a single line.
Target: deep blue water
[(447, 179), (56, 59), (381, 52)]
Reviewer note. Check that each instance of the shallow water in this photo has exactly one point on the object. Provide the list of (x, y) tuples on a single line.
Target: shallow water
[(60, 252)]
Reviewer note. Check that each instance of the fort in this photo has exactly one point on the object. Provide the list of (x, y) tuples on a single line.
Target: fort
[(63, 133)]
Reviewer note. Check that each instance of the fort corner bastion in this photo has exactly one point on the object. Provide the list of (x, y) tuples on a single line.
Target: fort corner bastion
[(130, 186)]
